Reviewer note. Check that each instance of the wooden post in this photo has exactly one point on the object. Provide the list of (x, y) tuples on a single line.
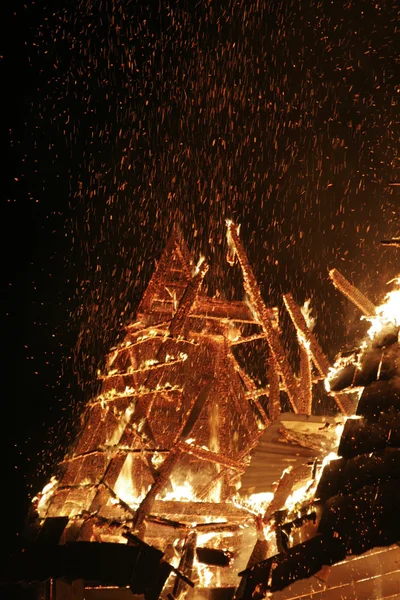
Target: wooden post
[(272, 336)]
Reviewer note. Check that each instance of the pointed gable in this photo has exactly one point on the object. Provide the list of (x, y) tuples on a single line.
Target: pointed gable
[(168, 282)]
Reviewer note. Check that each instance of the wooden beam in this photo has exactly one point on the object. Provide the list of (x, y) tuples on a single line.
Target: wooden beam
[(352, 293), (187, 301), (272, 336), (317, 354)]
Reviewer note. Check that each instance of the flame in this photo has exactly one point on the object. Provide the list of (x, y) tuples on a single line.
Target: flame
[(157, 459), (180, 492), (122, 423), (205, 575), (215, 447), (388, 313), (257, 503), (340, 363), (300, 495), (306, 311), (124, 486), (196, 270), (43, 498)]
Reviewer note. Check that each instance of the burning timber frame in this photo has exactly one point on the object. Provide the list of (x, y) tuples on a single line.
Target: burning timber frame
[(172, 394), (162, 448)]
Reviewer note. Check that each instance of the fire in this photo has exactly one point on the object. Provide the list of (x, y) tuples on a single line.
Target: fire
[(299, 495), (118, 431), (388, 313), (340, 363), (180, 492), (198, 266), (124, 487), (257, 503), (205, 574), (45, 495), (306, 311)]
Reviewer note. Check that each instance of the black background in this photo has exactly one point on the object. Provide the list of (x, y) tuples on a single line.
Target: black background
[(120, 118)]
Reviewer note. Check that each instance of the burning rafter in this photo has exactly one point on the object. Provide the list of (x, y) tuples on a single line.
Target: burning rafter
[(304, 333), (187, 301), (352, 293), (305, 378), (274, 389), (255, 298)]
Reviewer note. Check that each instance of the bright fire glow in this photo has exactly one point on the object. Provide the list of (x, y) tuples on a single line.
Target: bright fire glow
[(257, 503), (340, 363), (205, 575), (124, 486), (180, 492), (45, 495), (306, 311), (299, 495), (388, 313)]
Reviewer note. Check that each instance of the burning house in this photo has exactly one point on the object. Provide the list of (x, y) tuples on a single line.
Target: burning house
[(147, 501)]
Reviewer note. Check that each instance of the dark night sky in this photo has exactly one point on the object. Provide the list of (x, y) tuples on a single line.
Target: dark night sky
[(123, 116)]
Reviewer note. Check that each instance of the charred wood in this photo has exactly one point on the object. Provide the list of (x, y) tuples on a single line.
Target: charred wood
[(361, 436), (186, 563), (380, 397), (214, 556)]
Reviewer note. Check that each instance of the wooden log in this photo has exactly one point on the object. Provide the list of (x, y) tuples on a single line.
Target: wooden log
[(189, 512), (272, 336), (214, 557), (320, 360), (250, 338), (352, 293), (393, 242)]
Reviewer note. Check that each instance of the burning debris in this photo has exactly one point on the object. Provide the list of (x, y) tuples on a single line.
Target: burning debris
[(157, 466), (352, 509)]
